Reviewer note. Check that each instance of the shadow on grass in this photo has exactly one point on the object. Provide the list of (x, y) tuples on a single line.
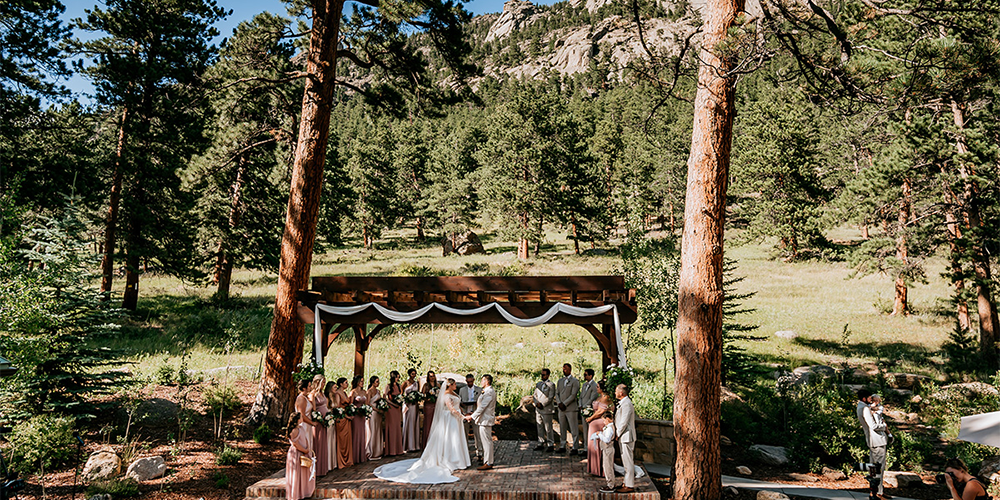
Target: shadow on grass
[(888, 353)]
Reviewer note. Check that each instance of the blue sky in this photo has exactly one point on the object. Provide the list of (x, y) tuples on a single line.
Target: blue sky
[(242, 11)]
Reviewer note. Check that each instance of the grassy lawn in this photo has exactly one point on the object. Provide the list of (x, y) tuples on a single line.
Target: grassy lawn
[(814, 299)]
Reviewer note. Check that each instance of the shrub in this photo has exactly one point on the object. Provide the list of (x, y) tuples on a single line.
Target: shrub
[(221, 398), (41, 442), (221, 480), (227, 455), (909, 452), (262, 434), (165, 374), (617, 375), (117, 488)]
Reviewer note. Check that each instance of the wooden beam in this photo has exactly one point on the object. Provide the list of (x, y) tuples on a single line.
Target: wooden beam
[(336, 333), (440, 284), (360, 348)]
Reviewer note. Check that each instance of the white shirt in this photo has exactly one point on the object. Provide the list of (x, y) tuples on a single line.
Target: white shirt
[(606, 435)]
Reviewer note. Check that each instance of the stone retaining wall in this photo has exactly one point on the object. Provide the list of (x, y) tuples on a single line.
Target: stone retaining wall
[(655, 442)]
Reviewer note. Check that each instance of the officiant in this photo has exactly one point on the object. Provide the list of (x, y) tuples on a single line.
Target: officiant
[(469, 395)]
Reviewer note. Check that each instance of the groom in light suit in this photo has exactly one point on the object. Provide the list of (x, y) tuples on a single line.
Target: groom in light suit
[(567, 400), (485, 417), (625, 430)]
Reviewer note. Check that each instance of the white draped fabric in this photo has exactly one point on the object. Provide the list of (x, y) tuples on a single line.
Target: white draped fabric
[(404, 317)]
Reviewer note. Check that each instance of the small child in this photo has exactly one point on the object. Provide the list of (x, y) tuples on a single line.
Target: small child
[(877, 413), (606, 442)]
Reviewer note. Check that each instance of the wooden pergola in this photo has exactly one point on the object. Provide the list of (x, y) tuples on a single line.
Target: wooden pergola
[(522, 296)]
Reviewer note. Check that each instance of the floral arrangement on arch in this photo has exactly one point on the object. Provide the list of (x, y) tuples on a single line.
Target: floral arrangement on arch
[(307, 371), (617, 375)]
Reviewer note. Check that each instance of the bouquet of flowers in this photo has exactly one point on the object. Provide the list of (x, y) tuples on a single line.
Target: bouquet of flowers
[(382, 405), (398, 400), (587, 411), (333, 416), (431, 396), (363, 410), (318, 418), (350, 410), (412, 397)]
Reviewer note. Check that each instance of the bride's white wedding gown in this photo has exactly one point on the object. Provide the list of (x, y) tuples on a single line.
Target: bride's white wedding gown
[(446, 450)]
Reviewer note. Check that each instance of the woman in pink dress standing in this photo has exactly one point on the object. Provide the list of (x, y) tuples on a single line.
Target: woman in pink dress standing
[(596, 424), (300, 477), (394, 417), (359, 425), (430, 386), (376, 436), (411, 437), (320, 439)]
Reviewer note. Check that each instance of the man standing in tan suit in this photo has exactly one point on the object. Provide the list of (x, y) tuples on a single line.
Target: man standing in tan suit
[(588, 394), (485, 417), (625, 428), (568, 402), (545, 407)]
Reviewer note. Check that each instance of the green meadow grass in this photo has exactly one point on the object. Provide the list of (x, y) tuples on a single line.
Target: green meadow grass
[(176, 323)]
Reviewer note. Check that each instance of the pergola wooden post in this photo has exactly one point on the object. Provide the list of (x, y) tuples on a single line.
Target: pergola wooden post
[(524, 297)]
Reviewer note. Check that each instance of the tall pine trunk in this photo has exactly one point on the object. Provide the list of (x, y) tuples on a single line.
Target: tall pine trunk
[(697, 472), (224, 261), (133, 257), (522, 244), (900, 306), (111, 223), (285, 343), (989, 325)]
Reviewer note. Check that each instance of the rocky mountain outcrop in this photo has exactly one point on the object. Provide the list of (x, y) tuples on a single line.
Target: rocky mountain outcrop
[(516, 15)]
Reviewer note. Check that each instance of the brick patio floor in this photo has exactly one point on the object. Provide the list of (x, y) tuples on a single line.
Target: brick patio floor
[(519, 473)]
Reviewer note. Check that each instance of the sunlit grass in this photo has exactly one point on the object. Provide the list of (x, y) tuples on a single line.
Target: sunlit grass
[(814, 299)]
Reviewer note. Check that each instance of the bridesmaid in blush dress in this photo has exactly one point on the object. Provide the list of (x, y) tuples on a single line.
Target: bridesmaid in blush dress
[(595, 424), (345, 455), (430, 386), (411, 438), (320, 431), (300, 482), (376, 438), (331, 432), (359, 424), (393, 418)]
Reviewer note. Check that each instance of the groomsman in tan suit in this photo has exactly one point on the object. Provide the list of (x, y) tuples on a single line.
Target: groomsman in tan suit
[(545, 407), (588, 394), (625, 429), (568, 402)]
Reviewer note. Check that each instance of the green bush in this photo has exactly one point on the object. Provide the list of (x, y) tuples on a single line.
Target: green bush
[(117, 488), (227, 455), (165, 374), (221, 480), (262, 434), (221, 398), (43, 441)]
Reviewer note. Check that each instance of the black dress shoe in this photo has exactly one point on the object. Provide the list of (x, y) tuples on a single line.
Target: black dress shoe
[(549, 449), (561, 450), (540, 447)]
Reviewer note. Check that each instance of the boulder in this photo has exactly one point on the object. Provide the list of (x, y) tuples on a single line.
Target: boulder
[(744, 470), (895, 479), (101, 466), (859, 375), (786, 334), (447, 248), (516, 15), (771, 495), (724, 441), (968, 391), (730, 492), (157, 411), (990, 469), (805, 478), (101, 496), (906, 380), (146, 468), (468, 243), (808, 374), (770, 455), (519, 345), (833, 474), (558, 345)]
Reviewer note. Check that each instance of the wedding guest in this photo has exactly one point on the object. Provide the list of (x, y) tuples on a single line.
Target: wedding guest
[(545, 394), (568, 403), (588, 394), (319, 430), (359, 424), (411, 438), (430, 386), (625, 430), (376, 438), (394, 417), (300, 477), (331, 433), (345, 455), (594, 425)]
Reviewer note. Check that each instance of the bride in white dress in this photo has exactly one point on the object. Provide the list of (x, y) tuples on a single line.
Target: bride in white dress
[(446, 449)]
